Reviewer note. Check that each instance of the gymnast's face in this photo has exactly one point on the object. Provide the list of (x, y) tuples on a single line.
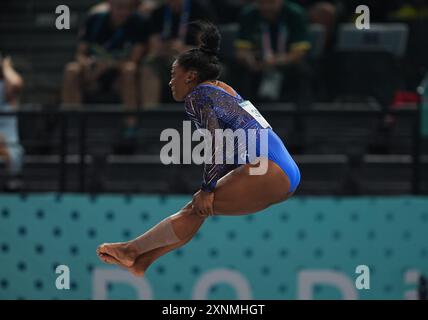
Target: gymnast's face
[(182, 81)]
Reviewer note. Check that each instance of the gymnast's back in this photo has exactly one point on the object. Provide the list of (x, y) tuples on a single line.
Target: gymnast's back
[(215, 105)]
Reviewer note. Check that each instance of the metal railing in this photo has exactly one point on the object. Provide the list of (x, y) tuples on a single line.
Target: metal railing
[(63, 118)]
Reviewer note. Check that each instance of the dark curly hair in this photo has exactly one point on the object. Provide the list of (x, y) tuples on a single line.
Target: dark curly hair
[(204, 59)]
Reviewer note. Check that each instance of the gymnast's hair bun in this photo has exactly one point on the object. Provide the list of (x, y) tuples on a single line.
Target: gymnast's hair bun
[(209, 38)]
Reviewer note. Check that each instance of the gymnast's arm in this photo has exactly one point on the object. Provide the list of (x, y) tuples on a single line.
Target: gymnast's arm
[(200, 111)]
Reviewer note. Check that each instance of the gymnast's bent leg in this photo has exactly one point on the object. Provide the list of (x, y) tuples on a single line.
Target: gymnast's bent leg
[(237, 193)]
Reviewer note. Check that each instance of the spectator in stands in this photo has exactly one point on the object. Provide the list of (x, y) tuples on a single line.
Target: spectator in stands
[(145, 7), (171, 36), (271, 47), (11, 151), (323, 12), (110, 49), (319, 11), (100, 7)]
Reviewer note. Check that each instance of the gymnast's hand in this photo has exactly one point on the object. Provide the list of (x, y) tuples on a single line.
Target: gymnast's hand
[(203, 203)]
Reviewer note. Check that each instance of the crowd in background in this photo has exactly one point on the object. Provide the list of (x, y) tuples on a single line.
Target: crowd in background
[(126, 47)]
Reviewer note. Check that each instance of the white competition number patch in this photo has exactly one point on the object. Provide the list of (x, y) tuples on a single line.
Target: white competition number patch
[(252, 110)]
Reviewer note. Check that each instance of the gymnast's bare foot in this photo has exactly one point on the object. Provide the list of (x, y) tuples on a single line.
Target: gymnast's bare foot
[(123, 252), (137, 269)]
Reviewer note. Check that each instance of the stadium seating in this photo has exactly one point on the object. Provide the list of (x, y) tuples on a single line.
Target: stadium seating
[(336, 153)]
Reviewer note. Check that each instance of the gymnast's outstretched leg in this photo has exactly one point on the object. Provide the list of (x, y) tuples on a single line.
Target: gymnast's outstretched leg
[(237, 193), (174, 231)]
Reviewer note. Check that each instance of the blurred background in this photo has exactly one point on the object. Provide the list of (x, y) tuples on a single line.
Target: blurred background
[(82, 109)]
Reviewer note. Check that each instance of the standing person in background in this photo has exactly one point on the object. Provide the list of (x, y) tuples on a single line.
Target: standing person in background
[(109, 52), (271, 47), (11, 151), (171, 36)]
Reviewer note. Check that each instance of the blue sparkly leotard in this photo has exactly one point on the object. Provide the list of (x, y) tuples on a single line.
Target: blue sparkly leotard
[(214, 107)]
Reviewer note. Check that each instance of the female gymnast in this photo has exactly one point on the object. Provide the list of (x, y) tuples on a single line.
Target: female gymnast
[(227, 189)]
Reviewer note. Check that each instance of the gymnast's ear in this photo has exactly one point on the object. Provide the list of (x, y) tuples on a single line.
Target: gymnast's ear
[(192, 76)]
